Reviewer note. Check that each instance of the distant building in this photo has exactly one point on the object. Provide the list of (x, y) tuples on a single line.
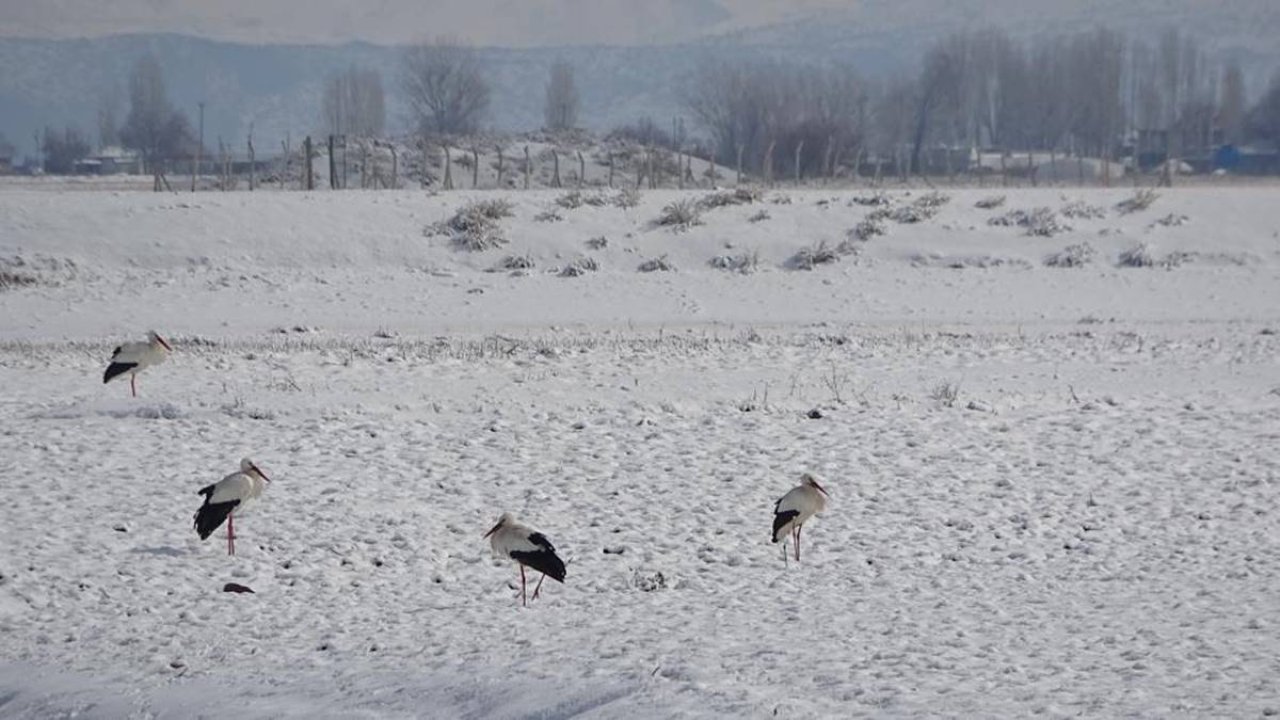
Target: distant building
[(110, 160), (6, 164)]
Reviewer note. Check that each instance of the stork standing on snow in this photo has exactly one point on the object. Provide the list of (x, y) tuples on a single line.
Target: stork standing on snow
[(793, 509), (527, 547), (134, 357), (227, 496)]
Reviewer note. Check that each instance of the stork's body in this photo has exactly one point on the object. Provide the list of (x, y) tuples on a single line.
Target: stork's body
[(223, 499), (529, 548), (134, 357), (795, 508)]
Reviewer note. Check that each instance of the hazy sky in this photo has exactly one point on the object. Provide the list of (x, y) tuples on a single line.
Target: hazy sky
[(487, 22), (526, 23)]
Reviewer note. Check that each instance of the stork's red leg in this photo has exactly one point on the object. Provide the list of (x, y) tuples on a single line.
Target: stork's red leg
[(524, 601), (539, 588), (133, 384), (231, 534), (798, 529)]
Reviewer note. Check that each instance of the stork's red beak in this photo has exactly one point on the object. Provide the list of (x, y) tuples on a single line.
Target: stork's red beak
[(493, 530), (165, 343), (260, 473), (820, 488)]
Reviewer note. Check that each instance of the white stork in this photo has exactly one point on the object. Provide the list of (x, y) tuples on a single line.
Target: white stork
[(134, 357), (223, 498), (527, 547), (795, 508)]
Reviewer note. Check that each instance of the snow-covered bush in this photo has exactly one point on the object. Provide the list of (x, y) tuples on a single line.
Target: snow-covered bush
[(551, 215), (1044, 223), (1138, 256), (1072, 256), (990, 203), (626, 198), (945, 393), (1172, 220), (680, 215), (579, 266), (1040, 221), (1082, 210), (658, 264), (597, 199), (759, 216), (877, 199), (932, 200), (10, 279), (722, 198), (515, 262), (924, 208), (598, 243), (570, 200), (1141, 200), (475, 225), (745, 263), (867, 229), (810, 257), (910, 214)]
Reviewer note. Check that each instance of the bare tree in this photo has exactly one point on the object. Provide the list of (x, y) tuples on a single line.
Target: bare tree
[(62, 149), (354, 103), (1231, 108), (445, 89), (749, 107), (937, 89), (153, 127), (1263, 121), (561, 109), (109, 119)]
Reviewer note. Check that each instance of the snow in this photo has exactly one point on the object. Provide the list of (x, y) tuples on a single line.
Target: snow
[(1086, 527)]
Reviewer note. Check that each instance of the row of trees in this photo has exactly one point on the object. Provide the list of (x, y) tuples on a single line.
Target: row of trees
[(153, 126), (445, 89), (1089, 93)]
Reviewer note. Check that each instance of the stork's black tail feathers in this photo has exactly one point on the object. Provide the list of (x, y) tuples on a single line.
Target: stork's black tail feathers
[(210, 516), (544, 561), (780, 521), (116, 369)]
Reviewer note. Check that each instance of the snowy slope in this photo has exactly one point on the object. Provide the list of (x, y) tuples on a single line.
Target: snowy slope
[(1086, 527)]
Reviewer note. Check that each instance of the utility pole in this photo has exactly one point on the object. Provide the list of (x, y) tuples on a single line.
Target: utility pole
[(199, 148)]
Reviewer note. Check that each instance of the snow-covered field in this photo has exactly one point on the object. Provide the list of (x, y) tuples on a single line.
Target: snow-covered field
[(1054, 489)]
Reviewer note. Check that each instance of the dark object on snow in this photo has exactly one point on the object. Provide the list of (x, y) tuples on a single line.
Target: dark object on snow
[(815, 414), (237, 588)]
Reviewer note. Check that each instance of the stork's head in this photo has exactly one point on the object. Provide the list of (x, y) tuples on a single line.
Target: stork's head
[(248, 467), (812, 482), (506, 519), (156, 339)]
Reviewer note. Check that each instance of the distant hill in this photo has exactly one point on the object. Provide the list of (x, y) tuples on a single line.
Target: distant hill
[(277, 87)]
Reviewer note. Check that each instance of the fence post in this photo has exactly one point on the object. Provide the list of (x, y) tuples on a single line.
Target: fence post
[(582, 169), (501, 166), (252, 174), (448, 168), (333, 166), (768, 164), (475, 167), (527, 165), (741, 148), (799, 149)]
